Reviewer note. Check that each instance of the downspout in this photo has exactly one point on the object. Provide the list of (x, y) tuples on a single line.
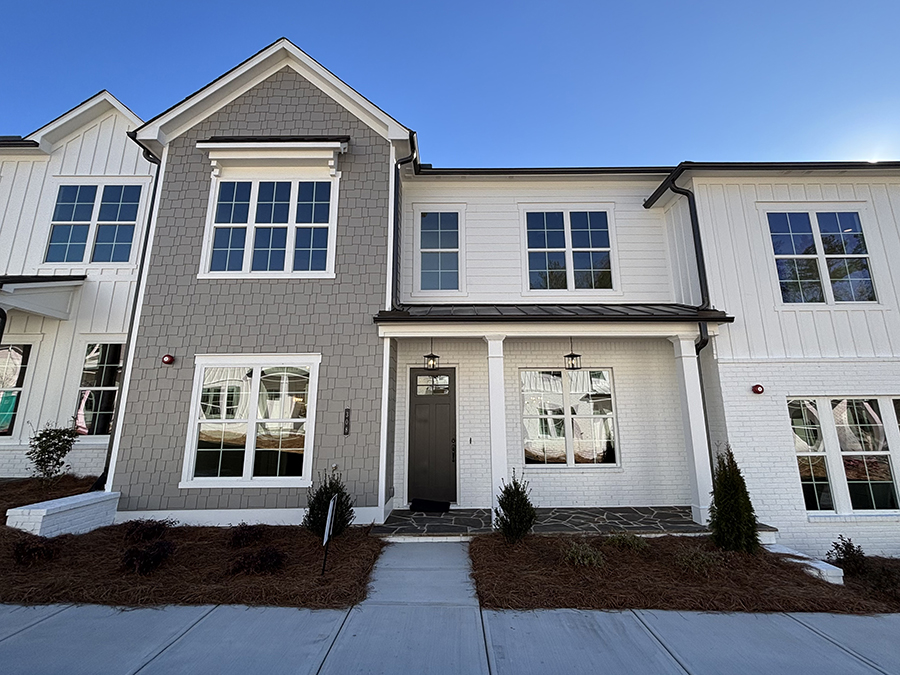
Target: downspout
[(395, 273), (2, 322), (100, 483)]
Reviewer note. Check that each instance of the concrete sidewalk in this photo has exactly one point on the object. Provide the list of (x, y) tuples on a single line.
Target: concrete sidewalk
[(421, 617)]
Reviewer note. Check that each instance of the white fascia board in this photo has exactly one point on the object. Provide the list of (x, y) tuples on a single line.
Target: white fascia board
[(543, 329), (12, 153), (226, 89), (78, 117)]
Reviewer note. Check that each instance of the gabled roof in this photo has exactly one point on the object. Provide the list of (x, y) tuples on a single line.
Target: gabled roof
[(280, 54), (83, 113)]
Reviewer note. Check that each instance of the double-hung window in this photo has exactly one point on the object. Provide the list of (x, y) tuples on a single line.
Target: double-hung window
[(843, 453), (568, 417), (569, 249), (13, 365), (272, 228), (439, 250), (252, 420), (810, 245), (82, 227)]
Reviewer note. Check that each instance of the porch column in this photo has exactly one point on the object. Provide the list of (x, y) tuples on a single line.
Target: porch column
[(694, 424), (497, 408)]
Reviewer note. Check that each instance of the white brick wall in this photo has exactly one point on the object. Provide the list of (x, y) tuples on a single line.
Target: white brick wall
[(69, 515), (760, 434), (651, 443), (85, 460)]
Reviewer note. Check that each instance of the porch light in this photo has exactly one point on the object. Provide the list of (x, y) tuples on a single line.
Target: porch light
[(573, 360), (432, 360)]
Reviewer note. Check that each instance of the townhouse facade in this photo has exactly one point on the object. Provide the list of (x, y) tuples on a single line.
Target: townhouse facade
[(314, 298)]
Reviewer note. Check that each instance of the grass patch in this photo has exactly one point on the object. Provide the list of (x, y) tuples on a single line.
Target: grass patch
[(148, 564), (675, 573), (25, 491)]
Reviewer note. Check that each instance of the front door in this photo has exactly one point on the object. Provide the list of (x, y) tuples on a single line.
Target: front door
[(432, 434)]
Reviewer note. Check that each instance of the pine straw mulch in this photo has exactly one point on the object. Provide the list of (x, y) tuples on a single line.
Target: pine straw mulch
[(674, 573), (89, 568), (15, 493)]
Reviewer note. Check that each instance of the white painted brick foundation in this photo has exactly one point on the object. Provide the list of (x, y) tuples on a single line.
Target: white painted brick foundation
[(69, 515), (85, 460)]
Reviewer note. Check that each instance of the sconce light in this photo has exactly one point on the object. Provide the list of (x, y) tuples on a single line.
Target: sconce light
[(432, 360), (573, 360), (168, 360), (757, 389)]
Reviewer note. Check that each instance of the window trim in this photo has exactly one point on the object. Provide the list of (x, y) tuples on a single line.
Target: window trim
[(837, 478), (861, 208), (429, 207), (311, 360), (568, 417), (100, 182), (567, 208)]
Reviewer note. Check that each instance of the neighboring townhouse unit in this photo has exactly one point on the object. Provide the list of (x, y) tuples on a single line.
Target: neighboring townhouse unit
[(316, 298), (73, 199)]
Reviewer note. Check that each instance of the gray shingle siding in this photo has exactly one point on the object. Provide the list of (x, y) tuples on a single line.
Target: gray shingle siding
[(184, 316)]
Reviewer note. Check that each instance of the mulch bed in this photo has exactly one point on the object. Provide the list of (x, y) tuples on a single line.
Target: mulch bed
[(674, 573), (203, 567), (15, 493), (880, 578)]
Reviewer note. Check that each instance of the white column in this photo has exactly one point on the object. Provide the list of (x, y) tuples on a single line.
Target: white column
[(695, 441), (497, 407)]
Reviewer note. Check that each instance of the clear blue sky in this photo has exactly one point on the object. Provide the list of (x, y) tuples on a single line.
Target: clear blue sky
[(491, 83)]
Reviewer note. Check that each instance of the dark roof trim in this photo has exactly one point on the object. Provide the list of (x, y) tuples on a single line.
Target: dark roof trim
[(551, 313), (277, 139), (39, 278), (428, 170), (764, 166), (17, 142)]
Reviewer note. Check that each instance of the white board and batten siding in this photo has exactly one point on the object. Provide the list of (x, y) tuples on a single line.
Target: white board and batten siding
[(743, 279), (493, 255), (98, 153)]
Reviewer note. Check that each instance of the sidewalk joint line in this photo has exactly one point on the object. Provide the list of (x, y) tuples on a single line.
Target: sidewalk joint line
[(487, 650), (336, 635), (662, 644), (32, 625), (174, 640), (840, 646)]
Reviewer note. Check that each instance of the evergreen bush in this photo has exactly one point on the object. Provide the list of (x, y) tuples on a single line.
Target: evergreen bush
[(319, 497), (48, 448), (582, 554), (515, 514), (847, 555), (732, 519)]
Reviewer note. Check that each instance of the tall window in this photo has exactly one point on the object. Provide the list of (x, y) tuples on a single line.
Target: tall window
[(99, 389), (836, 244), (439, 244), (568, 250), (13, 364), (291, 228), (253, 420), (78, 219), (568, 417), (810, 455)]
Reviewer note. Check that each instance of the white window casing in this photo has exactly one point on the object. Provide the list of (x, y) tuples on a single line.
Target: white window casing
[(432, 207)]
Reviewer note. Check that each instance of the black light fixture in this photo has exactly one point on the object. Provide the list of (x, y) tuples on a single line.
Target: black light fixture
[(573, 360), (432, 360)]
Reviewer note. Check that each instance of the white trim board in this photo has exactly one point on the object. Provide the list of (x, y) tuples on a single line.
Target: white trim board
[(222, 517)]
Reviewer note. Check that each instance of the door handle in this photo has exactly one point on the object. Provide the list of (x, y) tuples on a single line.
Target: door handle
[(453, 450)]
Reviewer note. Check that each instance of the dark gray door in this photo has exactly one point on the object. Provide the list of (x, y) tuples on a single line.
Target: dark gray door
[(432, 435)]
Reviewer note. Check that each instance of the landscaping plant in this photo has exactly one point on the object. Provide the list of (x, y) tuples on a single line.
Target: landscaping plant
[(317, 505), (626, 541), (515, 514), (847, 555), (144, 560), (47, 451), (242, 535), (732, 519), (144, 530), (582, 554)]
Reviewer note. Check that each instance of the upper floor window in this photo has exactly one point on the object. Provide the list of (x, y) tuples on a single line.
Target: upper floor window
[(835, 244), (272, 228), (439, 248), (568, 250), (79, 220), (13, 363)]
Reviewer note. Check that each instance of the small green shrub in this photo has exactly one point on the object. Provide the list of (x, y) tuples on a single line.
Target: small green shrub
[(515, 514), (266, 560), (582, 554), (145, 560), (732, 519), (144, 530), (242, 535), (626, 541), (47, 451), (699, 561), (847, 555), (31, 550), (318, 499)]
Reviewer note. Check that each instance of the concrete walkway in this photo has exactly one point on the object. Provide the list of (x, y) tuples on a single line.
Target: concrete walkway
[(422, 617)]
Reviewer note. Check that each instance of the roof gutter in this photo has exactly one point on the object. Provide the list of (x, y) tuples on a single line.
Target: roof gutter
[(100, 483), (395, 272)]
